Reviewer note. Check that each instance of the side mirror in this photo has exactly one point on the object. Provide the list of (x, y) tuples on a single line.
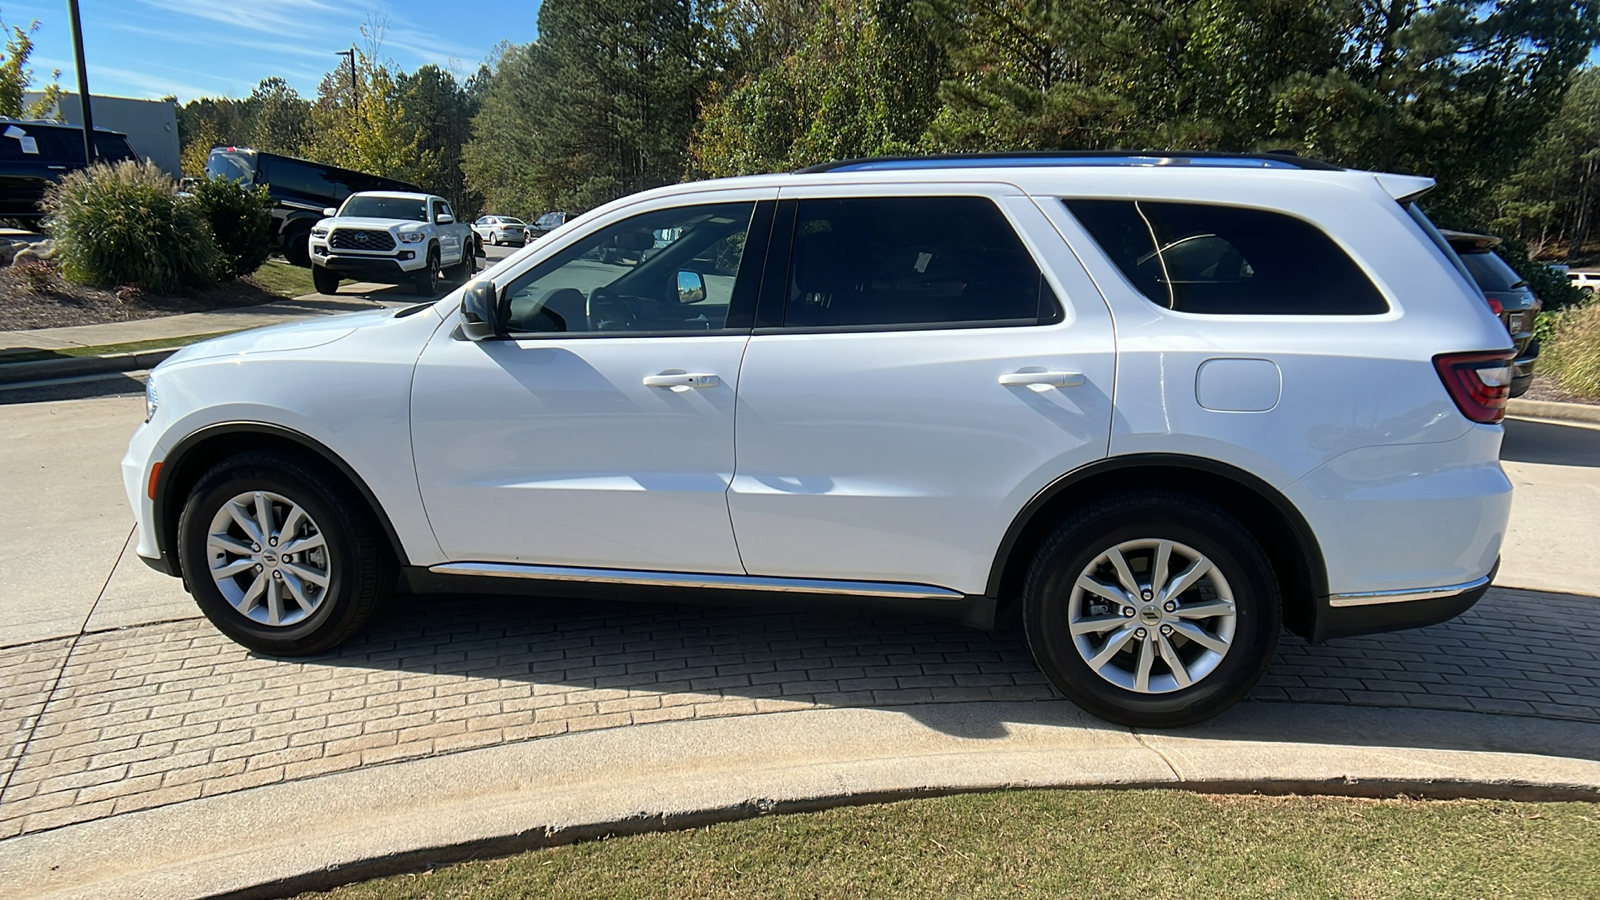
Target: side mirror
[(691, 287), (330, 212), (444, 218), (480, 311)]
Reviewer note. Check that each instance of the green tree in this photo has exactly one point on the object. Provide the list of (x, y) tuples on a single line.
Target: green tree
[(496, 161), (277, 118), (207, 122), (862, 83), (16, 77), (366, 128), (439, 111)]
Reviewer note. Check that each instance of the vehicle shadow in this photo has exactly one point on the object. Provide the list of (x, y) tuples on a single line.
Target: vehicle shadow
[(1512, 658), (1550, 443)]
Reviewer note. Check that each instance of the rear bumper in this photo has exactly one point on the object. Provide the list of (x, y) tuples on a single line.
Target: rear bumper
[(1522, 368), (1347, 615)]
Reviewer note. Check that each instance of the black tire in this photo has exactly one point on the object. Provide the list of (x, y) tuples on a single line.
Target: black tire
[(358, 561), (297, 247), (1082, 538), (462, 272), (324, 280), (426, 281)]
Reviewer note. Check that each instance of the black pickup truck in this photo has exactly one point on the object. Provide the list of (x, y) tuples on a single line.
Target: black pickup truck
[(300, 189), (35, 155)]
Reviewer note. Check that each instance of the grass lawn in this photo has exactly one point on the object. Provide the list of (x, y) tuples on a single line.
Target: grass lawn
[(283, 279), (1053, 844)]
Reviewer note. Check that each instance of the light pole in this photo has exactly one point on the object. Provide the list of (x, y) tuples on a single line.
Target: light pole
[(355, 92), (89, 153)]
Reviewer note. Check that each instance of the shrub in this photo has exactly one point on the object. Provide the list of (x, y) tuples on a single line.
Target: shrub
[(124, 224), (1573, 354), (239, 218)]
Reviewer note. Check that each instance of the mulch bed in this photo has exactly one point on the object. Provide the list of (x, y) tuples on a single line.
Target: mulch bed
[(62, 303), (1545, 387)]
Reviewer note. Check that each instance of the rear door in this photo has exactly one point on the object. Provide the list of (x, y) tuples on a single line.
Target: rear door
[(923, 364)]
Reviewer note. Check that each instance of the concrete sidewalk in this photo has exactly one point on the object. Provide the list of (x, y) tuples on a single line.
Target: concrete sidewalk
[(313, 834), (352, 298)]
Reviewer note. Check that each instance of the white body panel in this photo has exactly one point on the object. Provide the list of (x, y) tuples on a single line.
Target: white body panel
[(898, 455)]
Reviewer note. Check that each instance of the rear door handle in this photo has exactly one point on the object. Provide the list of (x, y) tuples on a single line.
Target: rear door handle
[(690, 380), (1053, 379)]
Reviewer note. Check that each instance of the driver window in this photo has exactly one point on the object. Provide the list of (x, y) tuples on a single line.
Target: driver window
[(670, 271)]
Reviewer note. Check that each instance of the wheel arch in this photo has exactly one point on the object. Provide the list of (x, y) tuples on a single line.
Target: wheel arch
[(192, 457), (1285, 535)]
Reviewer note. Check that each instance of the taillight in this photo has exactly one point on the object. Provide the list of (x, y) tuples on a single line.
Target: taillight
[(1495, 306), (1479, 383)]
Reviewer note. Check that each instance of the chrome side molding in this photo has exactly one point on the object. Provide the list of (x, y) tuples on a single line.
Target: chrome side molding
[(1372, 598), (695, 580)]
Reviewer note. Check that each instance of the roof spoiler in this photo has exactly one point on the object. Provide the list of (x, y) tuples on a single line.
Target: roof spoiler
[(1404, 188)]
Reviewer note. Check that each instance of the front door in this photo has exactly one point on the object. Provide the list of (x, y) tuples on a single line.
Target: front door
[(600, 433), (919, 380)]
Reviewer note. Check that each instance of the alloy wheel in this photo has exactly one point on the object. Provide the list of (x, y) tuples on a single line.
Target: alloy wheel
[(268, 558)]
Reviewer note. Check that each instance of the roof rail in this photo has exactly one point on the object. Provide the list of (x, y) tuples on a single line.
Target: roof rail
[(1041, 158)]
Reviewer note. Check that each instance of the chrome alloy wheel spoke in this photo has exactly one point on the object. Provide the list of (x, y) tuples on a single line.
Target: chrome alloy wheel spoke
[(268, 558), (1151, 616)]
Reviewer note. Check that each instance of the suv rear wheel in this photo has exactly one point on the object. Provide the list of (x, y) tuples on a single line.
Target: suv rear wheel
[(1152, 609), (282, 557)]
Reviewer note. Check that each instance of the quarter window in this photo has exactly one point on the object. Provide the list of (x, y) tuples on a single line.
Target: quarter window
[(671, 271), (1204, 258), (911, 261)]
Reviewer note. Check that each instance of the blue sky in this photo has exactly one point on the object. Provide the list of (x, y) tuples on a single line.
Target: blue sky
[(191, 48)]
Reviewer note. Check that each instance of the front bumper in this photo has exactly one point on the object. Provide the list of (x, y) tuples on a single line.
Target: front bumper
[(381, 269)]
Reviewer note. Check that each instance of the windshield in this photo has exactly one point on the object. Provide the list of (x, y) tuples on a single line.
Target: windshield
[(1491, 272), (386, 208), (232, 166)]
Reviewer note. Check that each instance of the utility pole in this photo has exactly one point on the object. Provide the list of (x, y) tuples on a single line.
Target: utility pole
[(89, 153), (355, 91)]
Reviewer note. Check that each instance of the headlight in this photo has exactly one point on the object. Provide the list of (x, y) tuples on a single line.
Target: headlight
[(151, 401), (319, 232), (412, 237)]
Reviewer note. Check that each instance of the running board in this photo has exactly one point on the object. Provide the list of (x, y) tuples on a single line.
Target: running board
[(693, 580)]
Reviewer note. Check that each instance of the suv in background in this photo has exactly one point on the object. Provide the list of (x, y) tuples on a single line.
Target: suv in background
[(1509, 297), (300, 189), (885, 382), (35, 155), (1584, 281), (547, 223)]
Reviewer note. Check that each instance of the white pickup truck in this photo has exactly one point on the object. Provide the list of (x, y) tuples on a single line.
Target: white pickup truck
[(391, 238)]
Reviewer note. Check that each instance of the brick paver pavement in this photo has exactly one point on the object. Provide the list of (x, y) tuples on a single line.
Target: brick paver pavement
[(163, 713)]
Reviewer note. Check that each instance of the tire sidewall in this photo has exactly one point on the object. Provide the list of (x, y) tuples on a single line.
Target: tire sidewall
[(1256, 604), (221, 486)]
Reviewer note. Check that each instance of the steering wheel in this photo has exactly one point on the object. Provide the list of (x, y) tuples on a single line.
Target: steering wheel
[(609, 311)]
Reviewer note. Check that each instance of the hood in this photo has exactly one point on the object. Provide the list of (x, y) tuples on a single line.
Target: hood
[(288, 336), (363, 222)]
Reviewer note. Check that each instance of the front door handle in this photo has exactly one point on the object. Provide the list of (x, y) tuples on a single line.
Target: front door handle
[(688, 379), (1053, 379)]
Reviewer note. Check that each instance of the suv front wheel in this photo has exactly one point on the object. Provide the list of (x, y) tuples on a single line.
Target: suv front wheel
[(280, 556), (1152, 609)]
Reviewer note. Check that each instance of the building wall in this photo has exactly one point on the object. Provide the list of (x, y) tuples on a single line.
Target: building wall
[(151, 125)]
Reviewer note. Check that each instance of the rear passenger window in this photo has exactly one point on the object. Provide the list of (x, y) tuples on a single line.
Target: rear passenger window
[(911, 261), (1202, 258)]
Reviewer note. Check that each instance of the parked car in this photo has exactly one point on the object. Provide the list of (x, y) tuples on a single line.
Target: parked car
[(547, 223), (886, 382), (35, 155), (1509, 297), (1584, 281), (392, 238), (499, 230), (300, 189)]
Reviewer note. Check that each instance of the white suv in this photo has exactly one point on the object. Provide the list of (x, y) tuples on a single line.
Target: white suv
[(1162, 404)]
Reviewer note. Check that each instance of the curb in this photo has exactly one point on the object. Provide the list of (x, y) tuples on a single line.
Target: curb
[(1551, 409), (38, 370)]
